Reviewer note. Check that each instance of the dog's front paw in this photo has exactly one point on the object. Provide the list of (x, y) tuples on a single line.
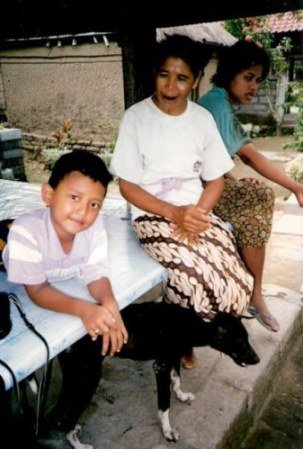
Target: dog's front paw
[(186, 397), (171, 434)]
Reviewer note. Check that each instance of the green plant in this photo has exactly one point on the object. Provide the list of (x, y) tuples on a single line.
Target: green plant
[(50, 155), (62, 133), (108, 153), (256, 29), (251, 130), (295, 98)]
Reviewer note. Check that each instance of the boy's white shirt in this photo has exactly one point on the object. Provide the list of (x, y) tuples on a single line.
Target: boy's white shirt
[(34, 254)]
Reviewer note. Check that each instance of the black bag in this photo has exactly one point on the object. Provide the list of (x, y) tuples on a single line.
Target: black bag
[(5, 319)]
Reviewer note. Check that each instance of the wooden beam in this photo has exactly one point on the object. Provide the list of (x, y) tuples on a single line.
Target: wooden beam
[(137, 40)]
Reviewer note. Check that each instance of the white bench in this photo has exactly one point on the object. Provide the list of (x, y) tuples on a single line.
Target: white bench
[(132, 273)]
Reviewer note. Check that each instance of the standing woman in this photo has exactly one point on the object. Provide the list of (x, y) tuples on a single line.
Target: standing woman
[(166, 144), (247, 203)]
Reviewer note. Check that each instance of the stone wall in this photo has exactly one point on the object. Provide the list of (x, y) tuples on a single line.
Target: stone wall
[(37, 142)]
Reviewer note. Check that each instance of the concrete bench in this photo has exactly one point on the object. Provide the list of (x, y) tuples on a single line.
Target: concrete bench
[(132, 273)]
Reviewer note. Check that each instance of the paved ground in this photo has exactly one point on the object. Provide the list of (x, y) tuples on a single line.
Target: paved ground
[(281, 424)]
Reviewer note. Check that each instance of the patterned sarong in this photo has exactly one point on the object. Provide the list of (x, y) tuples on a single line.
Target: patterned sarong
[(210, 276)]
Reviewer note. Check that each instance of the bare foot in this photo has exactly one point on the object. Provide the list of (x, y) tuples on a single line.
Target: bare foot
[(189, 360), (262, 314)]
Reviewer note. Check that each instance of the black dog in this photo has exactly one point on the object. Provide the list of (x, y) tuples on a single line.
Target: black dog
[(164, 332), (157, 331)]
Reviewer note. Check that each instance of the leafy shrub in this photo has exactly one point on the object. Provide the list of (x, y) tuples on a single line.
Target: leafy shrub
[(108, 153), (295, 99), (50, 155), (294, 168), (251, 130)]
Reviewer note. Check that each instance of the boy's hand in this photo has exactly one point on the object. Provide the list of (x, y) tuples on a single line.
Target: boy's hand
[(112, 342), (116, 334), (97, 320), (116, 337)]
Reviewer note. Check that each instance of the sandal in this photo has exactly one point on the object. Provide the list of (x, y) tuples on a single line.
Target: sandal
[(260, 316)]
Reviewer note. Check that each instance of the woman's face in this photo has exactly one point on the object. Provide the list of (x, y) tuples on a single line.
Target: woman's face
[(173, 83), (245, 85)]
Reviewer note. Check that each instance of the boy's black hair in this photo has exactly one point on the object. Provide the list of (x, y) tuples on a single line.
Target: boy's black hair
[(240, 56), (194, 53), (83, 161)]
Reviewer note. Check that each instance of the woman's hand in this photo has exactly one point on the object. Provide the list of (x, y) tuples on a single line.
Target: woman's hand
[(184, 236), (251, 180), (190, 219)]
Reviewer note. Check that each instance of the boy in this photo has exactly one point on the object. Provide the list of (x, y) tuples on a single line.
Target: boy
[(68, 239), (63, 240)]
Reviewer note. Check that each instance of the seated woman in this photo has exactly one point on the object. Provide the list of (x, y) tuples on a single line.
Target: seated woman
[(166, 144), (248, 203)]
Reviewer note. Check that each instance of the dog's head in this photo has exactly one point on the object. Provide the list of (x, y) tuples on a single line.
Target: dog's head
[(230, 337)]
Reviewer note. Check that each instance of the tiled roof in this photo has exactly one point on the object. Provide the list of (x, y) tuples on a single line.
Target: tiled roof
[(284, 23)]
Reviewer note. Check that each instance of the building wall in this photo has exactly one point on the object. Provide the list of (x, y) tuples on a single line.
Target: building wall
[(41, 87), (205, 84), (44, 86)]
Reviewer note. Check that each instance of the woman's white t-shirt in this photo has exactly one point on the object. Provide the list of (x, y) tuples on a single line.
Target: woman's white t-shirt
[(169, 155)]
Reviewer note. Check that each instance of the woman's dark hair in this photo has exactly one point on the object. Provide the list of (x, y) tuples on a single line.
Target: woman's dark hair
[(240, 56), (83, 161), (194, 53)]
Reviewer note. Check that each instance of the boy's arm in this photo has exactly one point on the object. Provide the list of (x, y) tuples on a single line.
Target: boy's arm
[(92, 315), (101, 290)]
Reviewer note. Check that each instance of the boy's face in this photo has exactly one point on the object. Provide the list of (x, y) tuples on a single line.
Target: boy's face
[(74, 204)]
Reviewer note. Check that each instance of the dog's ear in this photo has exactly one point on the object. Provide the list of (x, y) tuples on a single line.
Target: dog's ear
[(221, 333)]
